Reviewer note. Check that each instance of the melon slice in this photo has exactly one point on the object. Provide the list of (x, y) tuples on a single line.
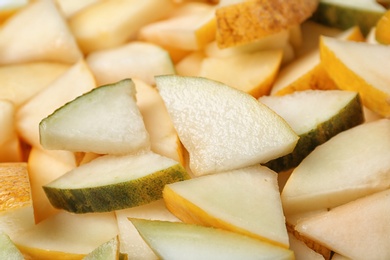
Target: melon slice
[(175, 240), (221, 127), (316, 116), (246, 201), (333, 174), (114, 182), (105, 120)]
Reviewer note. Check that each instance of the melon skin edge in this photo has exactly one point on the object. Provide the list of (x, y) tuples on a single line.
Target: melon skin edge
[(351, 115), (116, 196)]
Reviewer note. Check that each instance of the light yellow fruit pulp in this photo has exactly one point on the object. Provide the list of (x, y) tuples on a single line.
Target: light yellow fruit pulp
[(359, 67), (382, 32), (163, 137), (257, 71), (191, 28), (111, 23)]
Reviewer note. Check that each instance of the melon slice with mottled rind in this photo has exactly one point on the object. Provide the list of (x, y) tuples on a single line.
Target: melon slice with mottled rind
[(114, 182)]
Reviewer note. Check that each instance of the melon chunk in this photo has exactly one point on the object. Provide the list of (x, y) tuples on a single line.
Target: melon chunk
[(105, 120), (352, 164), (246, 201), (114, 182), (176, 241), (221, 127)]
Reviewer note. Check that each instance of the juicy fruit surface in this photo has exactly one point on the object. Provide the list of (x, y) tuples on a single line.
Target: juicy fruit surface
[(324, 179), (221, 127), (315, 116), (359, 67), (245, 201), (172, 240), (109, 111)]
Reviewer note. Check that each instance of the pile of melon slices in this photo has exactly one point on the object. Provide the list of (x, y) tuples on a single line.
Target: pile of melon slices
[(181, 130)]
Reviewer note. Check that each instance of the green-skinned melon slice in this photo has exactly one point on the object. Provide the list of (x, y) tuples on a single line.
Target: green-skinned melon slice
[(105, 120), (114, 182), (316, 116)]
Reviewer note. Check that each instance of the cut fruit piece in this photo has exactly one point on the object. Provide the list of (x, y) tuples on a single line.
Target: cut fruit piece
[(74, 82), (307, 72), (133, 60), (131, 243), (44, 167), (245, 201), (111, 23), (20, 82), (106, 251), (382, 29), (8, 249), (247, 21), (362, 67), (302, 251), (105, 120), (324, 179), (346, 228), (257, 71), (16, 211), (221, 127), (175, 240), (114, 182), (163, 137), (316, 116), (67, 236), (48, 36), (191, 27), (344, 14)]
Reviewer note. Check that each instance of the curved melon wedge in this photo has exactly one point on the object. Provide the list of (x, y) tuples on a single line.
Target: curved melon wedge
[(359, 66), (221, 127), (105, 120), (352, 164), (114, 182), (245, 201), (175, 240), (316, 116)]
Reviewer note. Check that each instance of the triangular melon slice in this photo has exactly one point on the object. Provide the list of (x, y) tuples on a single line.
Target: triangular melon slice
[(114, 182), (352, 164), (359, 66), (245, 201), (105, 120), (357, 230), (221, 127), (175, 240), (316, 116), (30, 36)]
